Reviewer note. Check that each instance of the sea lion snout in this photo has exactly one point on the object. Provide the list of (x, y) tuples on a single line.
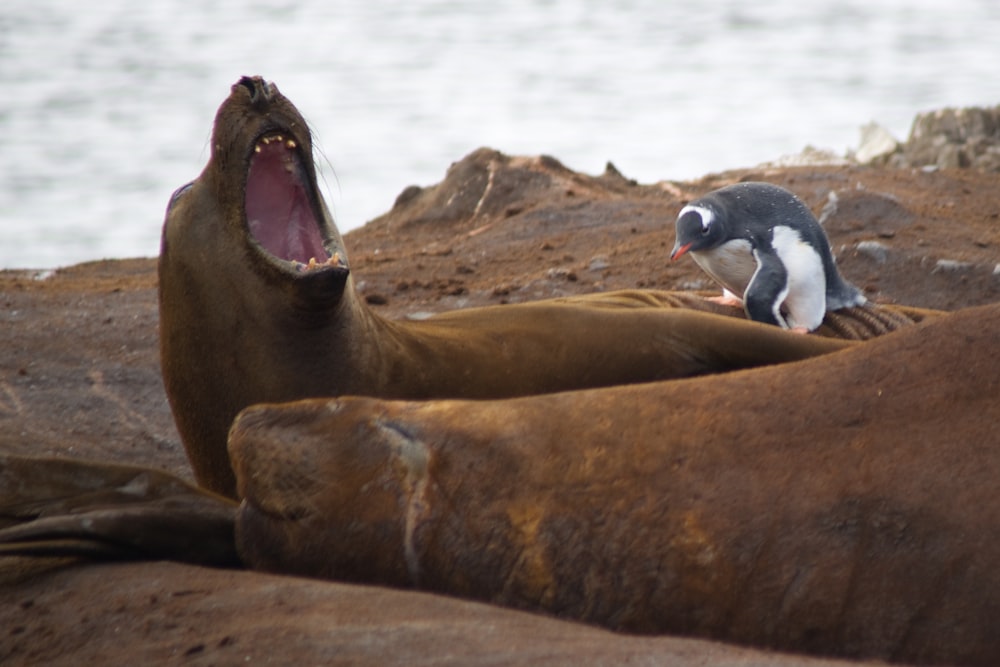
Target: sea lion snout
[(348, 509), (283, 461), (261, 92)]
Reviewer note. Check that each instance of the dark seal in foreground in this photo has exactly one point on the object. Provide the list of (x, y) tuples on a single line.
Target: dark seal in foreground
[(863, 526)]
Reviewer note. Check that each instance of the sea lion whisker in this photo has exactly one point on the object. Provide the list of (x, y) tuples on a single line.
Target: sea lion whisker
[(324, 158), (206, 145)]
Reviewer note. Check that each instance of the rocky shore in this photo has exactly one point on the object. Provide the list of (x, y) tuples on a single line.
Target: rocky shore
[(79, 377)]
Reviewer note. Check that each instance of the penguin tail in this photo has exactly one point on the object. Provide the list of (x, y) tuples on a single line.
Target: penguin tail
[(846, 296)]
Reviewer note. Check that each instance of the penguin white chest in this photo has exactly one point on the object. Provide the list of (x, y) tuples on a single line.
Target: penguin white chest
[(731, 264), (805, 298)]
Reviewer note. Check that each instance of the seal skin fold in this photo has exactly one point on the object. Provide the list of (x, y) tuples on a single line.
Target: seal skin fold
[(257, 304), (844, 505)]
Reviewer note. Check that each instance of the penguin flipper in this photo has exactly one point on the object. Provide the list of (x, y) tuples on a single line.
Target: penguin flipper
[(766, 290)]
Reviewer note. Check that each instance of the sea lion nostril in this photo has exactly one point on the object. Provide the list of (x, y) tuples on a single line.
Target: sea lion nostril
[(260, 90), (251, 84)]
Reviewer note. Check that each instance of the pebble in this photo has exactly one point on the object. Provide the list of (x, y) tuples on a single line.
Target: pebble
[(875, 250), (829, 208), (951, 266), (598, 263), (560, 273)]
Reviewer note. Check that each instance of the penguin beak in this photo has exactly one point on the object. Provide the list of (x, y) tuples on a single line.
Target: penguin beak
[(679, 250)]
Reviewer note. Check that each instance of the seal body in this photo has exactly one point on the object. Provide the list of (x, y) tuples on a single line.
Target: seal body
[(861, 527), (764, 246)]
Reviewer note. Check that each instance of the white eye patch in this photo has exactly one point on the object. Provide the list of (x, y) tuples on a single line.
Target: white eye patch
[(705, 214)]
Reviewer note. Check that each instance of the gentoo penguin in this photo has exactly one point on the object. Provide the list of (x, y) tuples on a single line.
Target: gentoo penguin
[(766, 249)]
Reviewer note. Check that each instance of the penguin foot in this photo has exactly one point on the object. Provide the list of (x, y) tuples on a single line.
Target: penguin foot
[(727, 299), (799, 330)]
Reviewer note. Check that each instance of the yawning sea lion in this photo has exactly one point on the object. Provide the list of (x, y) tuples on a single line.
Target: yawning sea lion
[(841, 505), (257, 304)]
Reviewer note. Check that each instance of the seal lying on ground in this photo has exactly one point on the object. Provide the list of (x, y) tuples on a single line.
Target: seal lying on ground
[(257, 304), (842, 505), (166, 614)]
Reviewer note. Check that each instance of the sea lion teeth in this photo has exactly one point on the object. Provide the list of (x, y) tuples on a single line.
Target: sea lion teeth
[(280, 138), (290, 143), (333, 262)]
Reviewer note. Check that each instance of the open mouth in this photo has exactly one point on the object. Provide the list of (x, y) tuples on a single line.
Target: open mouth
[(279, 210)]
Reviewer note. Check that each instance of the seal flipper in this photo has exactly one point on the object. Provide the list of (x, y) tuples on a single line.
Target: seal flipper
[(63, 507), (767, 289)]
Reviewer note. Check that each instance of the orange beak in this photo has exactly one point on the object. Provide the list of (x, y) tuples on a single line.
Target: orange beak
[(680, 251)]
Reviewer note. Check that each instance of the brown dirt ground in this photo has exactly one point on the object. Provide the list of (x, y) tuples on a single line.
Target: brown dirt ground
[(79, 373)]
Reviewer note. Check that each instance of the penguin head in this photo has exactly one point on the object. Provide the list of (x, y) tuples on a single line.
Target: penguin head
[(698, 228)]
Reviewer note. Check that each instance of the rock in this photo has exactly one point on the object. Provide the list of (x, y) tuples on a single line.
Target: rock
[(561, 273), (873, 249), (952, 138), (877, 144), (829, 208), (951, 266), (810, 156), (598, 263)]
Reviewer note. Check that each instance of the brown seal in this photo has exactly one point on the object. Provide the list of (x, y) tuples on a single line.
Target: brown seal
[(841, 505), (163, 613), (257, 304)]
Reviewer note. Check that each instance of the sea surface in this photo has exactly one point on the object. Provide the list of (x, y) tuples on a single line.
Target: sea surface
[(107, 107)]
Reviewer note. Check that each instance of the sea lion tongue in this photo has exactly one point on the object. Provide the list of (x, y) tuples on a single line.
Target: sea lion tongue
[(278, 210)]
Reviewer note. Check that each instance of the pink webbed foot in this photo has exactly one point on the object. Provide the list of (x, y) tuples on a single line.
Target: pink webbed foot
[(727, 299)]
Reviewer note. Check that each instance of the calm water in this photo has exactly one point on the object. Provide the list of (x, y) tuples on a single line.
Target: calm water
[(107, 107)]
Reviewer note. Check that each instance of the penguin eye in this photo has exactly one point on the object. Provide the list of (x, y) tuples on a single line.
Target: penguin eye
[(704, 230)]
